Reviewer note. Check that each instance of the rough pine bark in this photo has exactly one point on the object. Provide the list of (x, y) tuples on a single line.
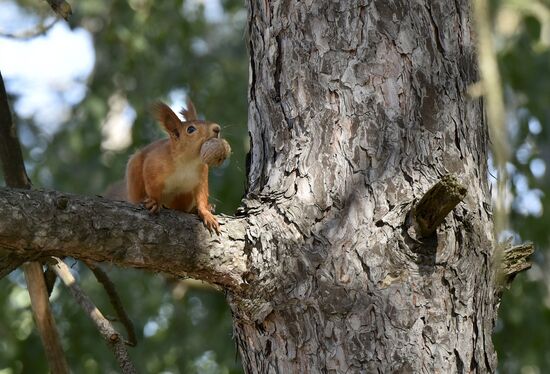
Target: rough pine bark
[(356, 109)]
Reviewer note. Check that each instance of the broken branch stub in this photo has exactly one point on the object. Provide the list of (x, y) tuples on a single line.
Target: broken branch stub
[(434, 206), (515, 259)]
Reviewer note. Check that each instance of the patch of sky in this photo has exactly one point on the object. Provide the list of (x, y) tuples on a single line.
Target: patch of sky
[(47, 73)]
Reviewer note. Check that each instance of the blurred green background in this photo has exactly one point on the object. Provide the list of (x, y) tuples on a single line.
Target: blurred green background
[(82, 94)]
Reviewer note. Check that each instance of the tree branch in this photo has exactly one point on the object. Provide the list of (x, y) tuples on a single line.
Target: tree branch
[(41, 29), (105, 328), (44, 318), (11, 156), (36, 223), (114, 298), (61, 8), (9, 261)]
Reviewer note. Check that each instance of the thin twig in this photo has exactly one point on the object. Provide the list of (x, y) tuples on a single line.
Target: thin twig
[(50, 278), (61, 8), (104, 326), (40, 29), (114, 298)]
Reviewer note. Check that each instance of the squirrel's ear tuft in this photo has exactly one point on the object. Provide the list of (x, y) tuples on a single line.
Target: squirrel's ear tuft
[(167, 118), (190, 113)]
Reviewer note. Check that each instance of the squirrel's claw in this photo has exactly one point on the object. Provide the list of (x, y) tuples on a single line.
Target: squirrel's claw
[(210, 222), (151, 205)]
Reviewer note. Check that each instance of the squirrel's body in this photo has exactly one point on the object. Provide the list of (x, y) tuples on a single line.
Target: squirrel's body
[(174, 177), (170, 172)]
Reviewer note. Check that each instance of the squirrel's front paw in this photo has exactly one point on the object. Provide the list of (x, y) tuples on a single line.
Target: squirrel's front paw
[(151, 205), (210, 221)]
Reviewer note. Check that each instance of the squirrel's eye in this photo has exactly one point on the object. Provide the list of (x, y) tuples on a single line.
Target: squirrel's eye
[(191, 129)]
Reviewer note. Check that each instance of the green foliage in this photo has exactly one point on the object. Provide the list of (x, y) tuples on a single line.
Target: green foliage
[(522, 28), (145, 50)]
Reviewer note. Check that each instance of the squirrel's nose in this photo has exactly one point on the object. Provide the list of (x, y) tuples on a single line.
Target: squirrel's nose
[(216, 129)]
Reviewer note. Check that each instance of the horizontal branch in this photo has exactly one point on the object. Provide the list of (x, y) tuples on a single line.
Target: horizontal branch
[(37, 224)]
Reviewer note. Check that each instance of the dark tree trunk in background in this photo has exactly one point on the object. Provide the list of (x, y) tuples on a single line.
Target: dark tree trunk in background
[(356, 109)]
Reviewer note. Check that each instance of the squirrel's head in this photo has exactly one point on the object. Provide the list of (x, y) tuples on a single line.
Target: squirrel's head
[(188, 136)]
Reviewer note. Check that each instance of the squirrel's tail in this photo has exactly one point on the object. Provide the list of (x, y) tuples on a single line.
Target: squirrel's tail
[(116, 191)]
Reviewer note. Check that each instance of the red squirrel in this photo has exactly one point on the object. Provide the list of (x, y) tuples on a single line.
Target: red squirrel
[(170, 172)]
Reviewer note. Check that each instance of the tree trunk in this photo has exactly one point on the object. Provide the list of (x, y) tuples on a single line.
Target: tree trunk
[(356, 109)]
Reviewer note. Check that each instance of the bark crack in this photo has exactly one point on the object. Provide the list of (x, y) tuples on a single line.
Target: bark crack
[(278, 68), (437, 34)]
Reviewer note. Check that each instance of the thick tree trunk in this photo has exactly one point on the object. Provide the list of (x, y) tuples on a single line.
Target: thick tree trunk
[(356, 109)]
